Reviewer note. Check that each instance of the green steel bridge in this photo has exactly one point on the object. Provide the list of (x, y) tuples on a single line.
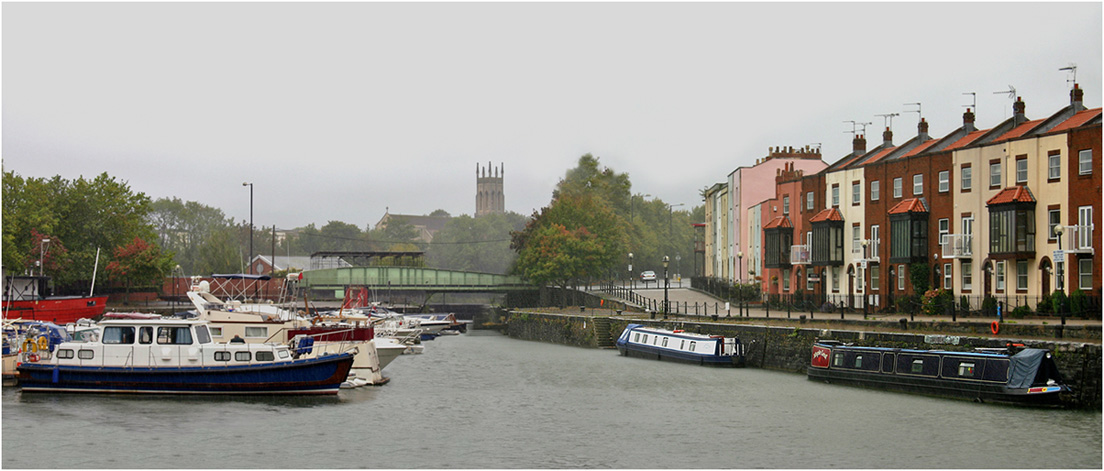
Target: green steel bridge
[(429, 280)]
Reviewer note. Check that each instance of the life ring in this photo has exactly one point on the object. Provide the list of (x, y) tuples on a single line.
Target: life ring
[(43, 343), (29, 345), (995, 327)]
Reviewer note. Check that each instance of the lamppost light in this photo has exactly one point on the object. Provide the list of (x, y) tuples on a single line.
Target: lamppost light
[(1058, 229)]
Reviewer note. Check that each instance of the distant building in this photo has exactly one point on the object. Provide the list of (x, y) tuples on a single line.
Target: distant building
[(489, 197), (426, 226)]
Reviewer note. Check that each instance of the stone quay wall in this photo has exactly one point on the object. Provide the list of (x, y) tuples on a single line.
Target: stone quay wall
[(789, 348)]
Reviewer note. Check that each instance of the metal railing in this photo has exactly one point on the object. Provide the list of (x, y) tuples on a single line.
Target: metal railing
[(800, 255), (957, 245), (1080, 238)]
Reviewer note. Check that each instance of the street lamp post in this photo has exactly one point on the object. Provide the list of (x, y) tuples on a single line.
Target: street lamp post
[(866, 286), (250, 257), (666, 306), (739, 281), (630, 276), (1058, 230)]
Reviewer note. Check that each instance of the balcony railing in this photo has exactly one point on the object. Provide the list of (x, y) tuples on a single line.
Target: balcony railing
[(958, 246), (1079, 239), (800, 255)]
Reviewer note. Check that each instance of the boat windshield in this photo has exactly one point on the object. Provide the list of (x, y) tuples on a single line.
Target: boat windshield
[(202, 335)]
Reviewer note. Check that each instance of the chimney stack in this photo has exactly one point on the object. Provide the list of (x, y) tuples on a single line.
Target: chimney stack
[(1077, 98), (887, 137), (859, 145), (922, 130), (1018, 115), (968, 121)]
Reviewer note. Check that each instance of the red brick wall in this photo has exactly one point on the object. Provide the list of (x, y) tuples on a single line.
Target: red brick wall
[(1085, 190)]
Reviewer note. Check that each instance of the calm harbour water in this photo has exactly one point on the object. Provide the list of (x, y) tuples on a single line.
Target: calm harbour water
[(482, 400)]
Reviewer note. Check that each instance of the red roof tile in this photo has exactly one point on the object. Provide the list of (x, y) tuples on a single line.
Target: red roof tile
[(1018, 130), (966, 140), (1016, 194), (827, 215), (911, 205), (920, 148), (1079, 118), (881, 155), (780, 221)]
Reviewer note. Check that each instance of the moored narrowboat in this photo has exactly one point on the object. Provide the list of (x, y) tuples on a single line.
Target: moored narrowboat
[(1028, 376), (679, 346)]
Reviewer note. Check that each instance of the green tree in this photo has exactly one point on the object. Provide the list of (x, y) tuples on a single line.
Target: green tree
[(480, 244), (139, 263), (397, 236), (185, 228)]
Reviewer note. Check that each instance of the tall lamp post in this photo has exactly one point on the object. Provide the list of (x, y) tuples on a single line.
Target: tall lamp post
[(250, 185), (1058, 230), (666, 306), (671, 215), (630, 276), (678, 268), (739, 280), (866, 286)]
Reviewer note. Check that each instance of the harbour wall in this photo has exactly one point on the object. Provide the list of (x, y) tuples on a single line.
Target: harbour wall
[(787, 348)]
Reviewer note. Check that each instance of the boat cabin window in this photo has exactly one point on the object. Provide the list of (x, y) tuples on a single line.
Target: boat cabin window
[(887, 365), (970, 368), (693, 346), (216, 332), (682, 345), (174, 335), (636, 336), (284, 354), (118, 335), (64, 353), (256, 332), (265, 356), (202, 336), (995, 370), (858, 361), (84, 354), (966, 369), (924, 365), (645, 338), (664, 341), (837, 359), (145, 335), (222, 356), (241, 356)]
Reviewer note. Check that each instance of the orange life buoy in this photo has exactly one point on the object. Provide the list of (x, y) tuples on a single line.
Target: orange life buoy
[(995, 327)]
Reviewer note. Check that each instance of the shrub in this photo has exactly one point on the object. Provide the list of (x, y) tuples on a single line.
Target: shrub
[(1045, 305), (964, 304), (907, 304), (935, 302), (1059, 303), (919, 275), (1078, 303), (989, 306), (1020, 312)]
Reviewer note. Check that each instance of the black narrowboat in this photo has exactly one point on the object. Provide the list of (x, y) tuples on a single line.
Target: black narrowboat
[(1028, 376)]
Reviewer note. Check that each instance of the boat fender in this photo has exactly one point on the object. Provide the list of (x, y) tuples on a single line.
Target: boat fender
[(995, 327), (43, 344), (32, 357)]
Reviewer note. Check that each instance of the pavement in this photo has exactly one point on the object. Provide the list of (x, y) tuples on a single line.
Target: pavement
[(685, 298)]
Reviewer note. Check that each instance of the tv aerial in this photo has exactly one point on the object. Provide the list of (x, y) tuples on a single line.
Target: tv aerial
[(1072, 69), (919, 113), (972, 106), (887, 118), (1011, 92)]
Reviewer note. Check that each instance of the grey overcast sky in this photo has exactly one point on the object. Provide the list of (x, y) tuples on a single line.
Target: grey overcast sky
[(336, 111)]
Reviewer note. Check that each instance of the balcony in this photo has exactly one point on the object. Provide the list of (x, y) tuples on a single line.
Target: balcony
[(957, 246), (800, 255), (1079, 239)]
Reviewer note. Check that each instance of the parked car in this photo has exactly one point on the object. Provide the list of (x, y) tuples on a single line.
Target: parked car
[(647, 276)]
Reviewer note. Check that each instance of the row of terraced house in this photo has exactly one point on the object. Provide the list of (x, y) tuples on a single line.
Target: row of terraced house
[(1008, 212)]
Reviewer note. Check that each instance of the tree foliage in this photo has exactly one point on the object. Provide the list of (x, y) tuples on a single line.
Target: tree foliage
[(139, 263), (86, 214), (480, 244)]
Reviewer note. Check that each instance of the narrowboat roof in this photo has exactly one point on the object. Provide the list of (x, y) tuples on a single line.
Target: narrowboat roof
[(656, 330), (909, 350)]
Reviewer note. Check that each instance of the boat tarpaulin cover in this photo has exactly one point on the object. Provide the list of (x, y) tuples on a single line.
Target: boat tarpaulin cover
[(239, 276), (1030, 363)]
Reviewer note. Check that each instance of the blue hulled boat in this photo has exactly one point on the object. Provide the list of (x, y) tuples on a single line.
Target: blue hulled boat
[(676, 345), (172, 356)]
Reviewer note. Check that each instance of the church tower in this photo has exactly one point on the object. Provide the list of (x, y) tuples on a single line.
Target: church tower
[(489, 198)]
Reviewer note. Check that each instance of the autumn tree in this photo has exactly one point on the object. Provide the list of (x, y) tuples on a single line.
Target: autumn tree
[(138, 263), (480, 244)]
